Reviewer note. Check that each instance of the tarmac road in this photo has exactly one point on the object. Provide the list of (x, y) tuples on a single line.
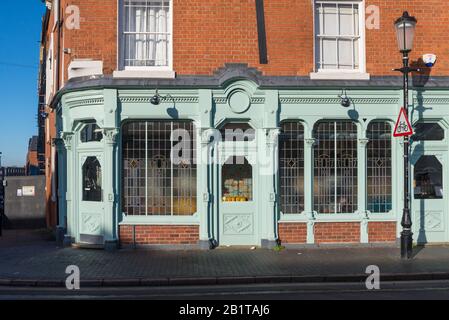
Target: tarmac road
[(411, 290)]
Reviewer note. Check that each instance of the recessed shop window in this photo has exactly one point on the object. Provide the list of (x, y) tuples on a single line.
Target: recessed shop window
[(291, 167), (335, 167), (237, 132), (91, 133), (157, 179), (428, 131), (379, 167), (92, 190), (428, 178), (237, 180)]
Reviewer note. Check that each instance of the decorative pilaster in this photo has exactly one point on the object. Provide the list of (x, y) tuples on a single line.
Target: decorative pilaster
[(270, 174), (364, 235), (67, 141), (362, 190), (110, 142), (111, 135), (308, 189), (67, 138), (205, 185)]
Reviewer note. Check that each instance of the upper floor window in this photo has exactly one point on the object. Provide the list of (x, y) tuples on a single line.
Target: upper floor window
[(339, 42), (146, 34)]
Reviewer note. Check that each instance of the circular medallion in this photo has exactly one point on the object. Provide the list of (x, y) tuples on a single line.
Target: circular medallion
[(239, 101)]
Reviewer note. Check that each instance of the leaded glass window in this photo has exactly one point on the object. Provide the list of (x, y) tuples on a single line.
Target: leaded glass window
[(379, 167), (291, 166), (335, 167), (159, 168)]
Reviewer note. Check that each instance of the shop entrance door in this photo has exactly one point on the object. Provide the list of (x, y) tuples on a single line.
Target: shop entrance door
[(429, 196)]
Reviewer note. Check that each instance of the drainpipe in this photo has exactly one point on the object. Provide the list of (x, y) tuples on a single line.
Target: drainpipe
[(53, 173), (58, 61), (58, 83)]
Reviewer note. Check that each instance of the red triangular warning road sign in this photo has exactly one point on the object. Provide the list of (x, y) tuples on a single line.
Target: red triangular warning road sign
[(403, 127)]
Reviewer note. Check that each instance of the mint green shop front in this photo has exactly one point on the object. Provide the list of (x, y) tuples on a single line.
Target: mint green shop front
[(336, 178)]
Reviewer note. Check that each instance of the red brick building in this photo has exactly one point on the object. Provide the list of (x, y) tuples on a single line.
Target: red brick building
[(296, 56)]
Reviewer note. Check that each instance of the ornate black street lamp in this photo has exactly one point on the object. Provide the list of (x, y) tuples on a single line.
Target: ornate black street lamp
[(405, 31)]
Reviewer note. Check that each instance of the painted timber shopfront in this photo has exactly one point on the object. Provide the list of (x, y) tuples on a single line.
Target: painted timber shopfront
[(307, 170)]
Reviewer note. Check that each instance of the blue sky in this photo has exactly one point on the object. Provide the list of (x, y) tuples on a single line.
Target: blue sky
[(20, 22)]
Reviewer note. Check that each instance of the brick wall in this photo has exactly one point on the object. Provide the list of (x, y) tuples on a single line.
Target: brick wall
[(208, 34), (155, 234), (97, 37), (293, 232), (337, 232), (382, 231)]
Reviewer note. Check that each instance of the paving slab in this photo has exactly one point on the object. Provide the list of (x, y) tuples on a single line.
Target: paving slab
[(35, 260)]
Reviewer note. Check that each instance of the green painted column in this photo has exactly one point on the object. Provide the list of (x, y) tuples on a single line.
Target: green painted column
[(269, 168), (205, 199), (111, 132), (67, 138), (109, 190), (271, 177), (308, 189), (362, 188), (204, 160)]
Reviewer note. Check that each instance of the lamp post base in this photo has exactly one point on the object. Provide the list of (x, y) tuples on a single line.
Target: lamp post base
[(406, 244)]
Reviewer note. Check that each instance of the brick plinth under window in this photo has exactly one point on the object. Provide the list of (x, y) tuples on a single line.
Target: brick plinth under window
[(156, 234), (337, 232), (293, 232), (382, 231)]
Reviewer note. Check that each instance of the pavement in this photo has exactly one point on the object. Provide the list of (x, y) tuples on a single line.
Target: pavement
[(32, 259)]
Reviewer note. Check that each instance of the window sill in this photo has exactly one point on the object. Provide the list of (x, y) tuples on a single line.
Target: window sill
[(159, 74), (160, 220), (339, 76)]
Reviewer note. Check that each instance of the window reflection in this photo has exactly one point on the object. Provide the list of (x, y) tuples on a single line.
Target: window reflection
[(335, 167), (428, 132), (237, 180), (238, 132), (91, 133), (428, 178), (92, 180)]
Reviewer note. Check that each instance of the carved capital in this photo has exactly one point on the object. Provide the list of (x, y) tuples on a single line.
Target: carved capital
[(365, 218), (363, 142), (272, 136), (67, 138), (111, 135), (310, 142), (206, 135)]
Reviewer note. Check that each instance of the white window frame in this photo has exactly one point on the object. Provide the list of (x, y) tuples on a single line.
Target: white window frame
[(144, 71), (342, 74)]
